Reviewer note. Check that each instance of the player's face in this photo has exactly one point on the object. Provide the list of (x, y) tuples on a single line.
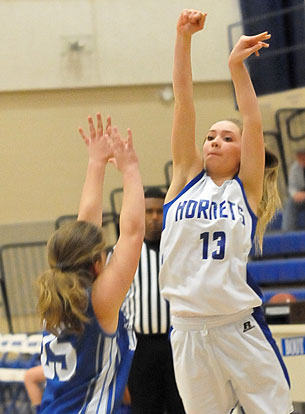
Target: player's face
[(153, 218), (221, 149)]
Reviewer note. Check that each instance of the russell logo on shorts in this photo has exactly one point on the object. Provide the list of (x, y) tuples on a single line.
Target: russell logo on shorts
[(247, 326)]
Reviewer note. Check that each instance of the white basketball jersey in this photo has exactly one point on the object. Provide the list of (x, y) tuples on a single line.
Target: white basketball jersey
[(207, 235)]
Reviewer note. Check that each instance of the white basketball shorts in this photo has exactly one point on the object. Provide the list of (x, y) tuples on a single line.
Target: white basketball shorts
[(217, 366)]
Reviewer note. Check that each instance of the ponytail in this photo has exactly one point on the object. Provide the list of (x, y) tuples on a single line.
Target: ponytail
[(63, 289), (270, 201), (63, 302)]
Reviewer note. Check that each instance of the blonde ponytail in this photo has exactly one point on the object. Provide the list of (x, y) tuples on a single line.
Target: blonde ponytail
[(63, 301), (63, 289), (270, 202)]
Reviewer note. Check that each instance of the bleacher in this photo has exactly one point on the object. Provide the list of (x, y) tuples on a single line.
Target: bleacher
[(18, 352), (281, 266)]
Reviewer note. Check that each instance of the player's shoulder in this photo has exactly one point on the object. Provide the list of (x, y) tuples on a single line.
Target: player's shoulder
[(179, 187)]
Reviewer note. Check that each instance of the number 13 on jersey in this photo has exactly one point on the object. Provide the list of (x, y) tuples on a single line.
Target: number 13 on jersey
[(213, 245)]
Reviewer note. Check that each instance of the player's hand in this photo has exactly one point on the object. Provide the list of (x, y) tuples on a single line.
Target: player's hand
[(190, 21), (99, 145), (247, 45), (124, 155)]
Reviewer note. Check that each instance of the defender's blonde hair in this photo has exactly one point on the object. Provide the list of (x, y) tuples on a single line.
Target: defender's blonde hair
[(63, 289)]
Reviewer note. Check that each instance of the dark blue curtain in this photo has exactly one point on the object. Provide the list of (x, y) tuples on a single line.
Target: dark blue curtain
[(282, 66)]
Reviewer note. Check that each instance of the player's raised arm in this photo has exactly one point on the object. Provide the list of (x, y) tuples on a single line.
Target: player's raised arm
[(252, 145), (99, 148), (110, 289), (186, 156)]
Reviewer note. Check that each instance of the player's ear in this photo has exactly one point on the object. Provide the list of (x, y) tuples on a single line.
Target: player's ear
[(97, 268)]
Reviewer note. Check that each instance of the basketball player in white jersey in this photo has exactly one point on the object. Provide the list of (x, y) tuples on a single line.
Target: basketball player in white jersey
[(223, 350)]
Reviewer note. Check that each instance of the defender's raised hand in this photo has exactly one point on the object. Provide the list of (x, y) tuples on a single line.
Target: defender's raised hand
[(100, 150), (190, 21), (99, 145), (123, 151)]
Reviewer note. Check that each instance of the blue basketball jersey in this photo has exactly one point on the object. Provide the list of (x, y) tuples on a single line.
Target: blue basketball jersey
[(207, 234), (86, 374)]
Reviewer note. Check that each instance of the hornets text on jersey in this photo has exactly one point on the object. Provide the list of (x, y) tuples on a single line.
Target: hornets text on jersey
[(207, 234)]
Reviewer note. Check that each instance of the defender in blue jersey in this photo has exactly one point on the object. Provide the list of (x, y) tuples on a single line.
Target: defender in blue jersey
[(87, 348), (217, 202), (92, 381)]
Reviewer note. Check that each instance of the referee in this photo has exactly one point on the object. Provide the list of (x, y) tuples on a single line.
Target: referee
[(151, 383)]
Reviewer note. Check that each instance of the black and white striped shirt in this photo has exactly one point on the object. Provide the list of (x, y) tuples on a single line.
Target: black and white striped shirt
[(144, 307)]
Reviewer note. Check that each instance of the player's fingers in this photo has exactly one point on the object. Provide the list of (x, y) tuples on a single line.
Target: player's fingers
[(201, 20), (185, 16), (108, 125), (83, 135), (99, 124), (129, 139), (91, 127), (264, 44), (115, 133), (261, 36), (254, 49), (116, 137), (196, 17), (110, 142)]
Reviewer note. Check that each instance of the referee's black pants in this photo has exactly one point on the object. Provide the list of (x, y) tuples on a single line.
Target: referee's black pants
[(151, 382)]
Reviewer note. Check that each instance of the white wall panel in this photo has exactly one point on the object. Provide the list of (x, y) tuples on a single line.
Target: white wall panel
[(48, 44)]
